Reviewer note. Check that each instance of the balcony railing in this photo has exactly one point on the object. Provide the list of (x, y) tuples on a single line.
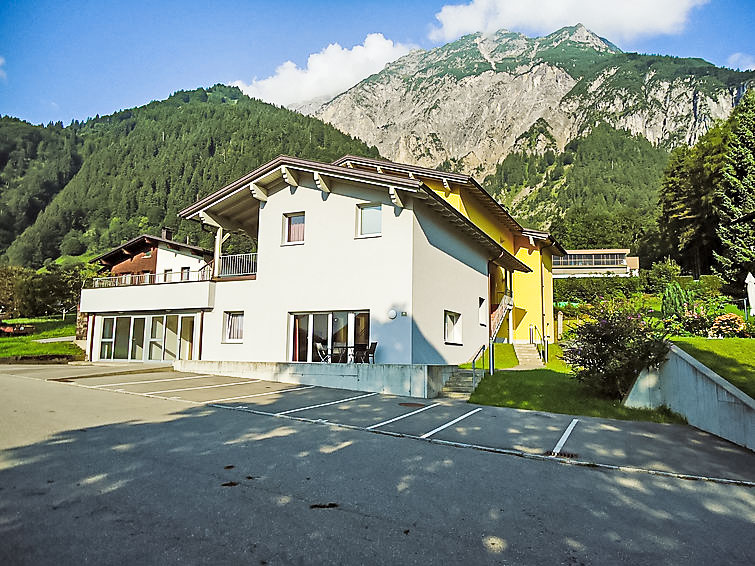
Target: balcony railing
[(237, 264), (128, 280)]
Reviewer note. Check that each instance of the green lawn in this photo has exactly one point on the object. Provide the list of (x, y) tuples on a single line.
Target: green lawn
[(504, 358), (47, 327), (731, 358), (553, 390)]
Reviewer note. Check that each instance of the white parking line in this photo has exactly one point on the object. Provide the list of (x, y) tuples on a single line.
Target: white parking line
[(453, 422), (324, 404), (203, 387), (393, 420), (147, 381), (564, 437), (261, 394)]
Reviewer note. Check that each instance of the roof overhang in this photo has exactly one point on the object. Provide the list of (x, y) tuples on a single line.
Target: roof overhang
[(484, 199), (546, 238), (229, 206)]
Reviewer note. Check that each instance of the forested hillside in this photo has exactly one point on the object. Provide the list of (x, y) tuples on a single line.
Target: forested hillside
[(601, 191), (139, 167), (35, 163)]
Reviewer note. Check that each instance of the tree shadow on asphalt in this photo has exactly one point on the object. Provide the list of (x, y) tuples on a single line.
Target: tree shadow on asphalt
[(219, 486)]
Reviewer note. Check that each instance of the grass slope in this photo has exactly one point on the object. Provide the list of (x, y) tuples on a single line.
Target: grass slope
[(47, 327), (504, 358), (731, 358), (553, 389)]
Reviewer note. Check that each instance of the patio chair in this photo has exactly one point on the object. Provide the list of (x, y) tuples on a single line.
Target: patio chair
[(364, 354), (322, 352)]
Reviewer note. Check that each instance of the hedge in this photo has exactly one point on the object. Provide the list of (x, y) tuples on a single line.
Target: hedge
[(592, 289)]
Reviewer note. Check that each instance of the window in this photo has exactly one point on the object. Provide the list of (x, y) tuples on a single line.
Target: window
[(168, 276), (293, 228), (369, 219), (185, 273), (234, 327), (483, 312), (452, 327), (336, 336)]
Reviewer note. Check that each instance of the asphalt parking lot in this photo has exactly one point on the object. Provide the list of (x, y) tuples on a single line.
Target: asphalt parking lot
[(649, 447), (155, 467)]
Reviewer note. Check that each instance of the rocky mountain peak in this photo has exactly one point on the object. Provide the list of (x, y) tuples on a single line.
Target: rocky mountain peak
[(473, 101)]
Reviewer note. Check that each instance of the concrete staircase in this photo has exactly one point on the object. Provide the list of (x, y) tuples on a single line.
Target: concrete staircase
[(528, 357), (459, 385)]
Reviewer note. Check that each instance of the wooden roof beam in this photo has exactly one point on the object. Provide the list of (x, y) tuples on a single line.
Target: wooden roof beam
[(322, 182), (258, 191), (396, 197), (289, 177)]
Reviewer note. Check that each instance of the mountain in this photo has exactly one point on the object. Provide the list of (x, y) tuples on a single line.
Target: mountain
[(94, 184), (473, 101)]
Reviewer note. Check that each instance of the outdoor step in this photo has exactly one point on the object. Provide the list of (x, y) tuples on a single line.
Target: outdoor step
[(455, 395)]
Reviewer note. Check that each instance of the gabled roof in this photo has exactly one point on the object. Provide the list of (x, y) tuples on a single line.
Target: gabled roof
[(476, 190), (285, 167), (142, 243)]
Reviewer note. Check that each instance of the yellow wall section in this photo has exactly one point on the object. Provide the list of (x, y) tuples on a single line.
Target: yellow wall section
[(529, 299)]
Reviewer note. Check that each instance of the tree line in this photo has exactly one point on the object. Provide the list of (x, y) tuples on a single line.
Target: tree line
[(84, 188)]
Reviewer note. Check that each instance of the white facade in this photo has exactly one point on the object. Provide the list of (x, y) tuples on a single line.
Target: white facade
[(172, 262), (413, 277)]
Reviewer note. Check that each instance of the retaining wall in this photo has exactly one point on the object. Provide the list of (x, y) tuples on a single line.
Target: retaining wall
[(412, 380), (703, 397)]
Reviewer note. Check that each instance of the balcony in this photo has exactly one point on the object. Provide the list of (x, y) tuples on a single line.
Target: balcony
[(237, 265)]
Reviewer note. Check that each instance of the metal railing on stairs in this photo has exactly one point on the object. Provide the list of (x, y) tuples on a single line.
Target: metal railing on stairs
[(479, 353)]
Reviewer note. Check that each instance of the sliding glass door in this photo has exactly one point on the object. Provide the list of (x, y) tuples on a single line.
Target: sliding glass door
[(328, 336), (153, 338)]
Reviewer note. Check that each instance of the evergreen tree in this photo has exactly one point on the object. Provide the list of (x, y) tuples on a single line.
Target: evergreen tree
[(734, 196)]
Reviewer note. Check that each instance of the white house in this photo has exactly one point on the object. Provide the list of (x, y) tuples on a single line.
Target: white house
[(345, 258)]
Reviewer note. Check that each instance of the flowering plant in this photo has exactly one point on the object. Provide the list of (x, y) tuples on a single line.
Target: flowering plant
[(727, 325), (608, 351)]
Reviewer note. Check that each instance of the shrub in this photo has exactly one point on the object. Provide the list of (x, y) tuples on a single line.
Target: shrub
[(675, 301), (608, 352), (727, 325), (655, 279)]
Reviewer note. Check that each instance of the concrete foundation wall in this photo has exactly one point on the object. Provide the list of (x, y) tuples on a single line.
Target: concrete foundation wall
[(412, 380), (704, 398)]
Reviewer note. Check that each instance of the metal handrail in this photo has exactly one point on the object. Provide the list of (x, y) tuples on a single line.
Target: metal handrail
[(237, 264), (474, 365), (542, 350)]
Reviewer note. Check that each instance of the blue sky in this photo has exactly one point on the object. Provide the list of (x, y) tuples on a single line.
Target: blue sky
[(61, 60)]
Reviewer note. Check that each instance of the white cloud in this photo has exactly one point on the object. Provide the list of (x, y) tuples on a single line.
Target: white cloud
[(741, 61), (329, 72), (3, 74), (614, 19)]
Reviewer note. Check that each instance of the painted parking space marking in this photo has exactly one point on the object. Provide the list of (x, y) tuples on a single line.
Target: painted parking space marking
[(148, 381), (564, 437), (451, 423), (393, 420), (203, 387), (441, 442), (324, 404), (284, 390)]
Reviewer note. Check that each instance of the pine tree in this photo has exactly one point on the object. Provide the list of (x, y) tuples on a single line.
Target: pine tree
[(735, 196)]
